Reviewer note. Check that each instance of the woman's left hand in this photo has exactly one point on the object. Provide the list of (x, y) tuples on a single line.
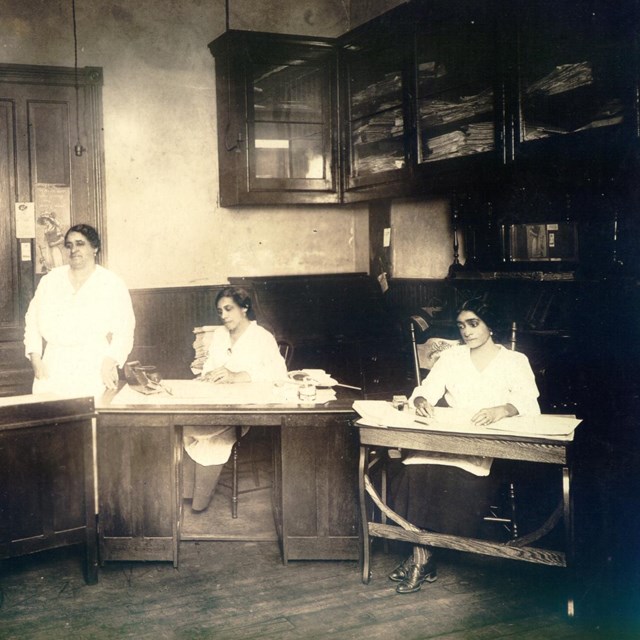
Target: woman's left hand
[(490, 415), (109, 372), (222, 375)]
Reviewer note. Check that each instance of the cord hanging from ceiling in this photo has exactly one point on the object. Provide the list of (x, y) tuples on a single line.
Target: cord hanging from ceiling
[(78, 148)]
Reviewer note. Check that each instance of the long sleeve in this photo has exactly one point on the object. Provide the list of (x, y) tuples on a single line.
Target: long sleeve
[(32, 335), (255, 352), (507, 380), (122, 322)]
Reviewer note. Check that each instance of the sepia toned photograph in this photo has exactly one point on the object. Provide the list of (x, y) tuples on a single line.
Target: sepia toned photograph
[(319, 319)]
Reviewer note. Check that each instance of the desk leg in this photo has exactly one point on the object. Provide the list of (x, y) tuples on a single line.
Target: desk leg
[(569, 539), (90, 490), (365, 544)]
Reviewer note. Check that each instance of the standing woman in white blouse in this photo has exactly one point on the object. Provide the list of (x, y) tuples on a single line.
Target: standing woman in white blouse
[(240, 351), (449, 494), (80, 324)]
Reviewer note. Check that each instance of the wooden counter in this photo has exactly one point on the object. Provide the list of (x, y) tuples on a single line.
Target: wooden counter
[(46, 477)]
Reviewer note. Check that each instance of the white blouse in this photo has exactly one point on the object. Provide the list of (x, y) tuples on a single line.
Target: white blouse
[(80, 328), (256, 352), (507, 379)]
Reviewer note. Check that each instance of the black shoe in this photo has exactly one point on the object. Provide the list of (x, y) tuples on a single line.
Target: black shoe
[(417, 575), (400, 572)]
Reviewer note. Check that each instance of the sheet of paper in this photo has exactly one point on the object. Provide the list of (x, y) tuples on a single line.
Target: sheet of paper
[(198, 392), (383, 414)]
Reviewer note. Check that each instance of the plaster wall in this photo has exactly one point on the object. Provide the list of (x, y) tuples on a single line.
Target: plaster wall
[(163, 222), (422, 239)]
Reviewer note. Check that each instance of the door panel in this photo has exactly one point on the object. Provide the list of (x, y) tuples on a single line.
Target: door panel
[(42, 118)]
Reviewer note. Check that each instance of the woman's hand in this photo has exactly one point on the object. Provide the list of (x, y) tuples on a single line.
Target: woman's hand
[(490, 415), (109, 372), (39, 370), (423, 408), (222, 375)]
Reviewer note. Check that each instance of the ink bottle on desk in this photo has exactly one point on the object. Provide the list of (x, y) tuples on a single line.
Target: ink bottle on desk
[(400, 403)]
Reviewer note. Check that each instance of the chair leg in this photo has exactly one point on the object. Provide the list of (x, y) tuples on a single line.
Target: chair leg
[(234, 480), (512, 505)]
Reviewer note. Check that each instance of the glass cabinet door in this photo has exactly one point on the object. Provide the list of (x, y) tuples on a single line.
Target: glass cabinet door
[(276, 102), (576, 64), (374, 71), (456, 87), (289, 120), (376, 118)]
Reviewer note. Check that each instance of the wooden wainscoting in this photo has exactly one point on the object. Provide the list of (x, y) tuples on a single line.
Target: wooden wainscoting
[(165, 319)]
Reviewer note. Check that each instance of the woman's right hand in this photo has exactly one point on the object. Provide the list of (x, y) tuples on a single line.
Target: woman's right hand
[(423, 408), (39, 370)]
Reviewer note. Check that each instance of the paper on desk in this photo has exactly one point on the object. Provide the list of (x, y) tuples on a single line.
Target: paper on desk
[(542, 425), (319, 376), (379, 413), (198, 392), (382, 414)]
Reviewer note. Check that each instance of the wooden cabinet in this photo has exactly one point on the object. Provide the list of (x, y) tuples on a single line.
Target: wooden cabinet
[(575, 77), (374, 78), (433, 97), (276, 106), (46, 478), (458, 93)]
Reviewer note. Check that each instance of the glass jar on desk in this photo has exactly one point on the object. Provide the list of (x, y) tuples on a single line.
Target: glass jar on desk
[(307, 390)]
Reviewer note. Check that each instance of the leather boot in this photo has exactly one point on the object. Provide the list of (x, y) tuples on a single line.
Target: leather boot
[(400, 572), (417, 575)]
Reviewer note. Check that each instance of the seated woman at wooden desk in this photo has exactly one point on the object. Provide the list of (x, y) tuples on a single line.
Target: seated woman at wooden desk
[(450, 494), (240, 351)]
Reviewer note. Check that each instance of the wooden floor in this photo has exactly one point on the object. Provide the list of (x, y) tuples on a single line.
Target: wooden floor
[(241, 590), (231, 589)]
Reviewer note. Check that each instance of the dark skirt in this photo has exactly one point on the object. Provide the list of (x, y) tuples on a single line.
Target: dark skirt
[(440, 498)]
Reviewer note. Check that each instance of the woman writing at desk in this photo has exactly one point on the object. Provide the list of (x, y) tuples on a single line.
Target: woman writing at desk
[(449, 494), (240, 351)]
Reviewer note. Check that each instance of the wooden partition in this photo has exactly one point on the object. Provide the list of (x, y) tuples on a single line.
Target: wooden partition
[(46, 478), (336, 322)]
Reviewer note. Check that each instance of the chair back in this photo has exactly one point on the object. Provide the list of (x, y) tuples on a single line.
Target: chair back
[(286, 350), (425, 355)]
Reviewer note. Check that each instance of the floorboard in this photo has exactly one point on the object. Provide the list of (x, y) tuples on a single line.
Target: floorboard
[(234, 590), (231, 585)]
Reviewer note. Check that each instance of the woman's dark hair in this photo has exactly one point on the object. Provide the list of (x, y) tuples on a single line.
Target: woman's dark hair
[(88, 232), (240, 296), (486, 313)]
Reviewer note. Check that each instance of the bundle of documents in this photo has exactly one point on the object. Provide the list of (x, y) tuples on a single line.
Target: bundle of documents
[(201, 343)]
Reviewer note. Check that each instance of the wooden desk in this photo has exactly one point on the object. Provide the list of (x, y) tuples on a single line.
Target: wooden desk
[(508, 447), (46, 478), (139, 468)]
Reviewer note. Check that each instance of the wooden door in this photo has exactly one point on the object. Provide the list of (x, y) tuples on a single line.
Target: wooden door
[(50, 155)]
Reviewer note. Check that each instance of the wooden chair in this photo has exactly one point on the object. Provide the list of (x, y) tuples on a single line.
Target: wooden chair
[(286, 349)]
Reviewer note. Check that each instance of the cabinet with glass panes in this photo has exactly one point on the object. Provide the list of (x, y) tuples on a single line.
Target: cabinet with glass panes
[(576, 75), (373, 73), (459, 86), (276, 103)]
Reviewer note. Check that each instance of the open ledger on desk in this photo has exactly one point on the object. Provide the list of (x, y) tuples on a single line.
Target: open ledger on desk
[(382, 414)]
